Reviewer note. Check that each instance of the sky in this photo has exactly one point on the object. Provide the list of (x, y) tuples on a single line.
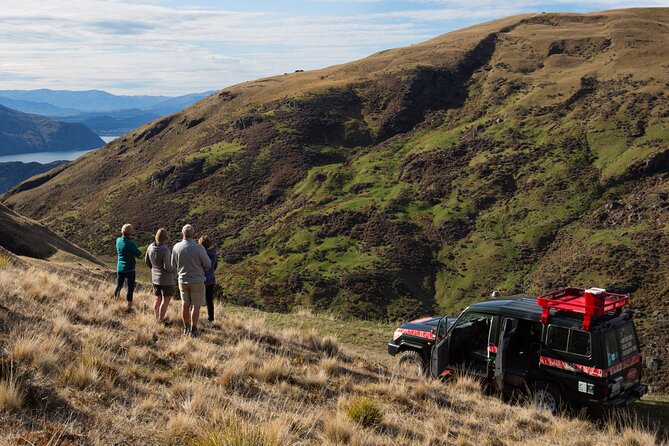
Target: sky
[(175, 47)]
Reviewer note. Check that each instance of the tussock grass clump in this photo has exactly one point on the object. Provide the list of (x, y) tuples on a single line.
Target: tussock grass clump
[(277, 368), (84, 372), (11, 395), (364, 411), (338, 429), (24, 348), (45, 353), (315, 379), (5, 262), (240, 433), (247, 347), (179, 430), (327, 345), (330, 366), (232, 376)]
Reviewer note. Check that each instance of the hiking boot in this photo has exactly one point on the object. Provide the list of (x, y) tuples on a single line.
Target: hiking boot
[(194, 333), (186, 331)]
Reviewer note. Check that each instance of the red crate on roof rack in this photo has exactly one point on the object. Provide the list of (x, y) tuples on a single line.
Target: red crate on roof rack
[(589, 303)]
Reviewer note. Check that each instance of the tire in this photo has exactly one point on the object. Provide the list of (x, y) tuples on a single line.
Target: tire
[(412, 364), (547, 397)]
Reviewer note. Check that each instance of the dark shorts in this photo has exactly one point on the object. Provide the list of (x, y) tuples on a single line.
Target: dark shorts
[(163, 290)]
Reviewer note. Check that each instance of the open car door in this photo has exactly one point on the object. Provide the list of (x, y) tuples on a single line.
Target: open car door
[(509, 327), (439, 354)]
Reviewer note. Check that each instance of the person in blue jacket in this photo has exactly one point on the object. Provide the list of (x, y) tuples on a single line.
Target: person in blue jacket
[(209, 275), (127, 252)]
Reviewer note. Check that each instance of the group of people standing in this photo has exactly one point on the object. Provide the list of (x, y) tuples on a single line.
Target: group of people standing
[(193, 263)]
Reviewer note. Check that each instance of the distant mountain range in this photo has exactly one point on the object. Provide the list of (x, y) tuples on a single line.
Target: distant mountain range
[(81, 101), (102, 112), (25, 133)]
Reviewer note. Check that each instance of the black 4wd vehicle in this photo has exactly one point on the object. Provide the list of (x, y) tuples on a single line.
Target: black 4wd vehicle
[(583, 353)]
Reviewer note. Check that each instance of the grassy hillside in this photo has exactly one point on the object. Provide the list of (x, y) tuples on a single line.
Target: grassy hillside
[(77, 369), (522, 154)]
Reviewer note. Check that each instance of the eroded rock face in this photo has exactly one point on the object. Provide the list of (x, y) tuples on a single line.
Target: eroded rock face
[(586, 47)]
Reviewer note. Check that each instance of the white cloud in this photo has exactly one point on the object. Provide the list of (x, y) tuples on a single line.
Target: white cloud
[(148, 47)]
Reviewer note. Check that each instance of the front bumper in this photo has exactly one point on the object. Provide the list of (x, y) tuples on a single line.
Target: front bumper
[(393, 348)]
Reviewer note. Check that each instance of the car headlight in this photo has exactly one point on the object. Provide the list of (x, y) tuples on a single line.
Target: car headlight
[(397, 334)]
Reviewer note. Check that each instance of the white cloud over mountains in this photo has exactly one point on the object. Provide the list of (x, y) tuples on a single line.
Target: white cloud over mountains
[(168, 47)]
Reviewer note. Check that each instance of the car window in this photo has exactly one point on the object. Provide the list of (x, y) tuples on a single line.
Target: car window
[(563, 339), (579, 342), (627, 340), (481, 322), (612, 352), (442, 327), (557, 338)]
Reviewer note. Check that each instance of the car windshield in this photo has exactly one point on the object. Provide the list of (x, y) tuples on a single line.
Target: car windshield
[(621, 343)]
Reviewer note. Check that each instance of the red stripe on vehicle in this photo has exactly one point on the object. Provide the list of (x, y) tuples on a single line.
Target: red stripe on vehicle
[(623, 365), (592, 371), (572, 367), (417, 333), (492, 348)]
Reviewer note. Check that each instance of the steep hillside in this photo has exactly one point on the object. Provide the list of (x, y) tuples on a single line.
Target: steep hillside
[(75, 369), (521, 154), (25, 133), (28, 239)]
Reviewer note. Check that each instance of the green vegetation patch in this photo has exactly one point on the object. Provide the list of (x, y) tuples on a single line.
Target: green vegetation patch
[(219, 152)]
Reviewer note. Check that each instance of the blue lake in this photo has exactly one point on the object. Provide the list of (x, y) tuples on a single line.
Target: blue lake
[(47, 157)]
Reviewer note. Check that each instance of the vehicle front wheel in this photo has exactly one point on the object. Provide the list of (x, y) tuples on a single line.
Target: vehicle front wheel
[(411, 364), (547, 397)]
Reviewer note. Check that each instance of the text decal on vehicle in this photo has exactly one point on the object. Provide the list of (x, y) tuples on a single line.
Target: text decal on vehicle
[(417, 333), (592, 371)]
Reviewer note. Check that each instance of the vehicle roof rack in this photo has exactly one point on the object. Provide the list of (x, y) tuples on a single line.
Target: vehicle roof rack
[(589, 303)]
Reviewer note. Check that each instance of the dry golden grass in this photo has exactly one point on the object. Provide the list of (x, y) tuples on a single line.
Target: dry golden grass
[(338, 429), (11, 395), (85, 369), (5, 262)]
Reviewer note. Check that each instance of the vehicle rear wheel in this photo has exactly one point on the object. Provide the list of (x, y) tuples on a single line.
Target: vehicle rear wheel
[(411, 364), (547, 397)]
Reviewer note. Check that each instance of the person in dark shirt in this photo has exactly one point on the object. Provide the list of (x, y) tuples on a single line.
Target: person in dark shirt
[(210, 277)]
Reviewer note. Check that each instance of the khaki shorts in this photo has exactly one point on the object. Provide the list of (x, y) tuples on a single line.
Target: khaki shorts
[(193, 294)]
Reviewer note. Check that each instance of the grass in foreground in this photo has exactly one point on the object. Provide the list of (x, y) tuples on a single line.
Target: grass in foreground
[(85, 372)]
